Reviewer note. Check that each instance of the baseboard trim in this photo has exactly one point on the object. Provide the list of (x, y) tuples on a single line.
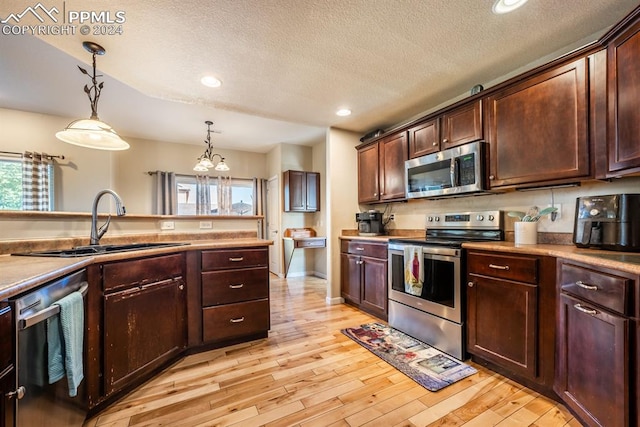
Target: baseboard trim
[(334, 301)]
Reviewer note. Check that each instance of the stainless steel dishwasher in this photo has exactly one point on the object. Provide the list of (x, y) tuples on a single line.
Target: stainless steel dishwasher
[(38, 402)]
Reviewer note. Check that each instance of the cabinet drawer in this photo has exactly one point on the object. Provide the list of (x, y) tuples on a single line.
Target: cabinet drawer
[(607, 290), (310, 243), (234, 258), (6, 334), (235, 320), (142, 270), (375, 250), (223, 287), (519, 268)]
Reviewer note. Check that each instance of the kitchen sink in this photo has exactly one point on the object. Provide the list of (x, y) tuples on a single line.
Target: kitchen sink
[(80, 251)]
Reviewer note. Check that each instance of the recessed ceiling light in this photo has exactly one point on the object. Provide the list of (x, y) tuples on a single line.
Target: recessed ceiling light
[(343, 112), (210, 81), (506, 6)]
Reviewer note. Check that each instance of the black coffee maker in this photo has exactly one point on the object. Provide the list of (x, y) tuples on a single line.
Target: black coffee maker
[(370, 223), (608, 222)]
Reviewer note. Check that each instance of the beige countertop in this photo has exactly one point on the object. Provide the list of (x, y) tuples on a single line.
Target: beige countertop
[(21, 273)]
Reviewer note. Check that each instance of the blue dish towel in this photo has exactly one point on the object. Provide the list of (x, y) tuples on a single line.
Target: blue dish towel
[(65, 339)]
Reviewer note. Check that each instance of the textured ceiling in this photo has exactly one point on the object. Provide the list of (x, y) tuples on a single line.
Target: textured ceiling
[(286, 65)]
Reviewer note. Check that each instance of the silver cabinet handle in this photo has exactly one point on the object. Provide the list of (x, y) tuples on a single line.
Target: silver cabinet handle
[(359, 262), (586, 286), (181, 287), (434, 143), (238, 286), (589, 311), (499, 267), (470, 284), (237, 320), (444, 141), (236, 259), (18, 394), (359, 249)]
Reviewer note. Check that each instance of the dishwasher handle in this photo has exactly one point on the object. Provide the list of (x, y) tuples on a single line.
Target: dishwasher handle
[(48, 312)]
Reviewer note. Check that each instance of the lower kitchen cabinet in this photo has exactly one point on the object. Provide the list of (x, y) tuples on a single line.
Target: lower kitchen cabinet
[(235, 294), (7, 367), (144, 317), (364, 276), (511, 304), (597, 368)]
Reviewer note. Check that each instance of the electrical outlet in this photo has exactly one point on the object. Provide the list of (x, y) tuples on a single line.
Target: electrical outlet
[(167, 225), (555, 216), (206, 224), (392, 217)]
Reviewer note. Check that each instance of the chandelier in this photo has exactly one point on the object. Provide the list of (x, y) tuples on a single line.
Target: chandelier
[(91, 132), (205, 162)]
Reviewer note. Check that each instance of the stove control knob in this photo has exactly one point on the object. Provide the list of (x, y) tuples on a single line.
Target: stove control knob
[(437, 218), (491, 217), (480, 218), (430, 219)]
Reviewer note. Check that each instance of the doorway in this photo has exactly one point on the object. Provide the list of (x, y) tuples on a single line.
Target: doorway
[(273, 225)]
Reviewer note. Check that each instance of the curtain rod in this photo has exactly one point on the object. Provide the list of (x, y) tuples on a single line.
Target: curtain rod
[(61, 157)]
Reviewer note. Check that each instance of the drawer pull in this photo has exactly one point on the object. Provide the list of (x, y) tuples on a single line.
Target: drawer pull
[(589, 311), (499, 267), (586, 286), (241, 319), (359, 249), (238, 286), (236, 259)]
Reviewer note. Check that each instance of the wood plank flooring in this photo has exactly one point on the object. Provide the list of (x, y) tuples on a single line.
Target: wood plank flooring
[(308, 374)]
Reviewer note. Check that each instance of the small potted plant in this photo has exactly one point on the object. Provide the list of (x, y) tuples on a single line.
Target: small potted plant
[(526, 228)]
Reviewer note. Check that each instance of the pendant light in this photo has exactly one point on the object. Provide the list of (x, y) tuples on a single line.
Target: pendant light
[(205, 162), (91, 132)]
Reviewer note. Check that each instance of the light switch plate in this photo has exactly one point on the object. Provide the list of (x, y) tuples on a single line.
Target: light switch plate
[(167, 225), (206, 224)]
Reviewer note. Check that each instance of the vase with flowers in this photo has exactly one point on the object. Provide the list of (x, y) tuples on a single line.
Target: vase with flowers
[(526, 227)]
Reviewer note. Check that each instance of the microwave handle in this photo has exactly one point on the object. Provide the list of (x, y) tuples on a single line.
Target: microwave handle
[(453, 172)]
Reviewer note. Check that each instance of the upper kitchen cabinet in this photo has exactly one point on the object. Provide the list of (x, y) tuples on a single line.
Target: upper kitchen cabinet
[(301, 191), (623, 89), (381, 169), (538, 129), (458, 126)]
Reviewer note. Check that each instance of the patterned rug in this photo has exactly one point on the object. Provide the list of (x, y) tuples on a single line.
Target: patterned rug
[(425, 365)]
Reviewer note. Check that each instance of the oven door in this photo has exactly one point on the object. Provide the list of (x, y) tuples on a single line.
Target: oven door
[(441, 290)]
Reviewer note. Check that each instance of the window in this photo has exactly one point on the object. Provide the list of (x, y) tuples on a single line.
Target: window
[(241, 196), (11, 184)]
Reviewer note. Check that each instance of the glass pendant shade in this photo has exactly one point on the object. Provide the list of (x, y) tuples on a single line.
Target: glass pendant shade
[(221, 166), (91, 133), (206, 162)]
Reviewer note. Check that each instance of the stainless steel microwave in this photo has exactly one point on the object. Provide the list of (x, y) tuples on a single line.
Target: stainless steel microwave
[(452, 172)]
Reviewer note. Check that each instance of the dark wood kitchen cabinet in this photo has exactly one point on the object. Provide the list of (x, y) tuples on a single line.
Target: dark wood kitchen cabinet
[(363, 276), (538, 129), (623, 90), (144, 317), (511, 315), (381, 169), (598, 344), (7, 367), (458, 126), (235, 294), (301, 191)]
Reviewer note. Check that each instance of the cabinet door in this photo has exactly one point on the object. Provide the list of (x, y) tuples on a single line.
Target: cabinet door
[(538, 129), (593, 372), (143, 328), (424, 138), (374, 286), (462, 125), (368, 177), (350, 272), (295, 191), (624, 101), (7, 404), (393, 154), (7, 371), (502, 323), (313, 192)]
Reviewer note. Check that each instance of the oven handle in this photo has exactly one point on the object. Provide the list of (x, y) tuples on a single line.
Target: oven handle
[(48, 312)]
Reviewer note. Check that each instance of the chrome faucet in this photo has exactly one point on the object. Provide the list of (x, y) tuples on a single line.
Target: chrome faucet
[(96, 233)]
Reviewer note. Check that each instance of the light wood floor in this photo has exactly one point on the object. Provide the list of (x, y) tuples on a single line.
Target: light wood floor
[(308, 374)]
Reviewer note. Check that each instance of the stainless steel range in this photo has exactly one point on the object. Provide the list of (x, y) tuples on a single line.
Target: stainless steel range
[(426, 296)]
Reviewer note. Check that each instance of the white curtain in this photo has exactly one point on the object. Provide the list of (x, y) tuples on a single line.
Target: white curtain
[(203, 195), (224, 196), (35, 181), (166, 193)]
